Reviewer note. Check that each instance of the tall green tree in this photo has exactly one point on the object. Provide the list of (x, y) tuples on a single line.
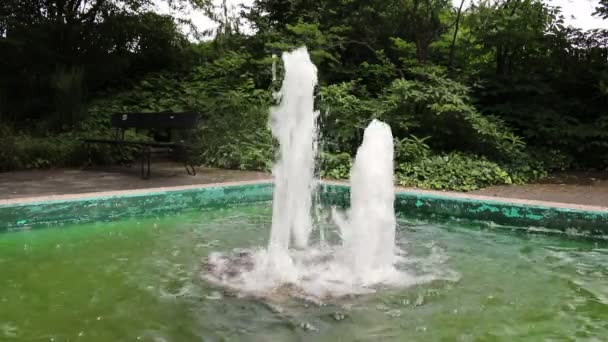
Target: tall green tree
[(543, 78), (56, 51), (602, 9)]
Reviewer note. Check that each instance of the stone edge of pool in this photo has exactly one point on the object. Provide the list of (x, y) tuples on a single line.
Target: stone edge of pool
[(25, 213)]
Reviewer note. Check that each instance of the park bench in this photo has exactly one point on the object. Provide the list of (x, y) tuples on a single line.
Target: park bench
[(162, 125)]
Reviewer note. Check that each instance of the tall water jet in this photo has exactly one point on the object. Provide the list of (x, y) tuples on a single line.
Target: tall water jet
[(293, 123), (368, 237)]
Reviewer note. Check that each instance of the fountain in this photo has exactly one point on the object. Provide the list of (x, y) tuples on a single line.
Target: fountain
[(367, 256), (293, 124), (368, 236)]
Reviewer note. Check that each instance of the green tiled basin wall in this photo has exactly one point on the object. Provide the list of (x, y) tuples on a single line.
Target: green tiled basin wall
[(420, 204)]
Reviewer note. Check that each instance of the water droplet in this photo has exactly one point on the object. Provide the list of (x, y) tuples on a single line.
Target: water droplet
[(394, 313), (338, 316), (308, 326), (419, 300), (381, 307), (215, 295)]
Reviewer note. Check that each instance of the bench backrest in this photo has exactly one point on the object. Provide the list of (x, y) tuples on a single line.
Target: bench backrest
[(166, 120)]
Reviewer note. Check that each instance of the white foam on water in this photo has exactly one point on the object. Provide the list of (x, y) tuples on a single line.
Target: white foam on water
[(367, 258)]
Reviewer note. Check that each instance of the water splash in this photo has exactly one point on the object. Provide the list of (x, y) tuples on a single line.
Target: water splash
[(366, 259)]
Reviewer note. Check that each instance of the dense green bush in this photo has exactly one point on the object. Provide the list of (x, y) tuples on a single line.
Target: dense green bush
[(453, 171), (335, 166), (55, 53), (233, 131), (441, 140), (8, 150), (239, 150), (22, 151)]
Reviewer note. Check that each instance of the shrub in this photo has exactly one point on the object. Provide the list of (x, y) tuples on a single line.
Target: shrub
[(335, 165), (8, 150), (453, 171), (252, 151), (22, 151), (233, 132), (441, 140), (411, 149)]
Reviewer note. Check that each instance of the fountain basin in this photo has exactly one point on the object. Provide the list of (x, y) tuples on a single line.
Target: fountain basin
[(54, 211), (126, 266)]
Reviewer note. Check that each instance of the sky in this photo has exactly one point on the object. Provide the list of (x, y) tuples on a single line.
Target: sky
[(576, 12)]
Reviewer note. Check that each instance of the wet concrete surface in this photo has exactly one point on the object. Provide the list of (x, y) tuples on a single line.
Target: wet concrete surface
[(585, 188), (30, 183)]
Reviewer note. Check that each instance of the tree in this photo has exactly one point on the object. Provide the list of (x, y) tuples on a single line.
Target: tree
[(511, 28), (471, 79), (602, 9), (422, 19), (52, 48), (453, 45)]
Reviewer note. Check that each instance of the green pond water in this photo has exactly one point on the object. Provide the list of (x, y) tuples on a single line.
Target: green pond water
[(139, 280)]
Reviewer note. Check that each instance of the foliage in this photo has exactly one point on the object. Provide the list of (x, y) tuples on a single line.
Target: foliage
[(426, 104), (561, 109), (411, 149), (335, 166), (602, 9), (8, 152), (453, 171), (430, 104), (22, 151), (497, 92), (54, 48), (233, 131), (344, 117)]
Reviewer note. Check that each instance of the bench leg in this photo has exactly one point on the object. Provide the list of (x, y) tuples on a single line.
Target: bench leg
[(190, 169), (145, 162), (123, 157), (89, 161)]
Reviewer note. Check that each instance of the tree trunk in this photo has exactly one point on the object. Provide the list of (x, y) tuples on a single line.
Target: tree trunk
[(453, 46), (500, 60), (422, 48)]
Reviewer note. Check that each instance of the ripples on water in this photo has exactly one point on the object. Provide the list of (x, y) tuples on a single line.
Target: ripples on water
[(140, 279)]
